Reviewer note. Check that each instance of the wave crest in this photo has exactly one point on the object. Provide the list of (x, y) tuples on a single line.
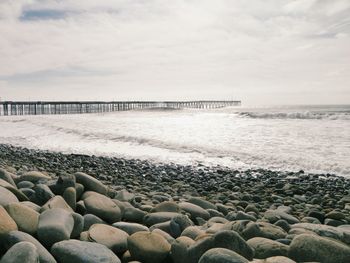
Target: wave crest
[(309, 115)]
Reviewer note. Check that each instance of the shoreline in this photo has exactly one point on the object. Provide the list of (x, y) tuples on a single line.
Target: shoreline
[(214, 183), (166, 213)]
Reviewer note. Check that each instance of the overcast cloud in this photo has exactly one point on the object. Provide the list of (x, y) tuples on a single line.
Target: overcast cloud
[(260, 51)]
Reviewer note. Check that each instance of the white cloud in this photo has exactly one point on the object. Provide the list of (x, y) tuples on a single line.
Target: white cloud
[(259, 50)]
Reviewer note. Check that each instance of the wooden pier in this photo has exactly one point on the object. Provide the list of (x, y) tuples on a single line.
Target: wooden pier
[(78, 107)]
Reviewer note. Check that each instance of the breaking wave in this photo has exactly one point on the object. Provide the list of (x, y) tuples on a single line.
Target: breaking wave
[(308, 115)]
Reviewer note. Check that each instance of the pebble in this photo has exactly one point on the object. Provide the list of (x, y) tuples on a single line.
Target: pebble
[(75, 251), (20, 253), (221, 255), (148, 247)]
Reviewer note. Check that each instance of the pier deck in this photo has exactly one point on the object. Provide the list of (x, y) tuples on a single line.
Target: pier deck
[(79, 107)]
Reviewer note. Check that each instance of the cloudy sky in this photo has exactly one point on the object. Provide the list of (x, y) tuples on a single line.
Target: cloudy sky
[(259, 51)]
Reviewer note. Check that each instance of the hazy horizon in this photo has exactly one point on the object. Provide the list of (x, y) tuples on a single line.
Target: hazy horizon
[(293, 52)]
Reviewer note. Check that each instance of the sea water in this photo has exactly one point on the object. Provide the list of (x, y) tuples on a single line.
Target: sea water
[(289, 138)]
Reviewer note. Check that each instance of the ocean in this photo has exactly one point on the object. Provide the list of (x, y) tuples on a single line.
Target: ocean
[(315, 139)]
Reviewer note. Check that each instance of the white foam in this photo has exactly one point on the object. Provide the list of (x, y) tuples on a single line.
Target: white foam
[(212, 137)]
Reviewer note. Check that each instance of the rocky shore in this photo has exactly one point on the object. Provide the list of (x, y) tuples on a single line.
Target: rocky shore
[(64, 208)]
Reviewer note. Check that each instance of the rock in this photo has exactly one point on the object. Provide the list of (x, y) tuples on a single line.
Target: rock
[(283, 224), (192, 232), (90, 183), (336, 215), (221, 255), (164, 234), (25, 184), (132, 214), (223, 239), (90, 220), (55, 225), (309, 219), (70, 196), (194, 210), (7, 224), (307, 247), (7, 197), (265, 248), (103, 207), (31, 205), (17, 192), (56, 202), (338, 233), (15, 237), (202, 203), (167, 206), (113, 238), (6, 176), (130, 228), (277, 259), (148, 247), (248, 229), (75, 251), (178, 224), (43, 193), (78, 225), (317, 214), (158, 217), (274, 215), (244, 216), (26, 218), (64, 181), (33, 176), (20, 253), (124, 195)]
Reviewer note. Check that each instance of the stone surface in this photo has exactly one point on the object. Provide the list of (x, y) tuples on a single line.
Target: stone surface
[(221, 255), (265, 248), (194, 210), (307, 247), (103, 207), (202, 203), (22, 252), (26, 218), (6, 175), (33, 176), (130, 228), (15, 237), (75, 251), (158, 217), (55, 225), (90, 219), (6, 197), (113, 238), (70, 196), (148, 247), (90, 183), (7, 224), (56, 202)]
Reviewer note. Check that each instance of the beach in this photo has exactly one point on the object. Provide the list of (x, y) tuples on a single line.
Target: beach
[(144, 211)]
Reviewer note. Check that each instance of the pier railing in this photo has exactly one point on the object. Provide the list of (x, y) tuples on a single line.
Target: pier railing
[(76, 107)]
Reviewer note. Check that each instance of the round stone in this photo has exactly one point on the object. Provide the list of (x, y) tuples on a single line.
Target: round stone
[(103, 207), (113, 238), (26, 218), (221, 255), (21, 252), (55, 225), (7, 224), (148, 247), (75, 251)]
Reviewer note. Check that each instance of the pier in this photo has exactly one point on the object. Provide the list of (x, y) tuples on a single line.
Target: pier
[(8, 108)]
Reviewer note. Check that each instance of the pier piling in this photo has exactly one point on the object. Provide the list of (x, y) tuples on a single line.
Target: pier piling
[(79, 107)]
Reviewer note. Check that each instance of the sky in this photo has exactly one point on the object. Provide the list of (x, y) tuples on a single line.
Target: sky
[(258, 51)]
